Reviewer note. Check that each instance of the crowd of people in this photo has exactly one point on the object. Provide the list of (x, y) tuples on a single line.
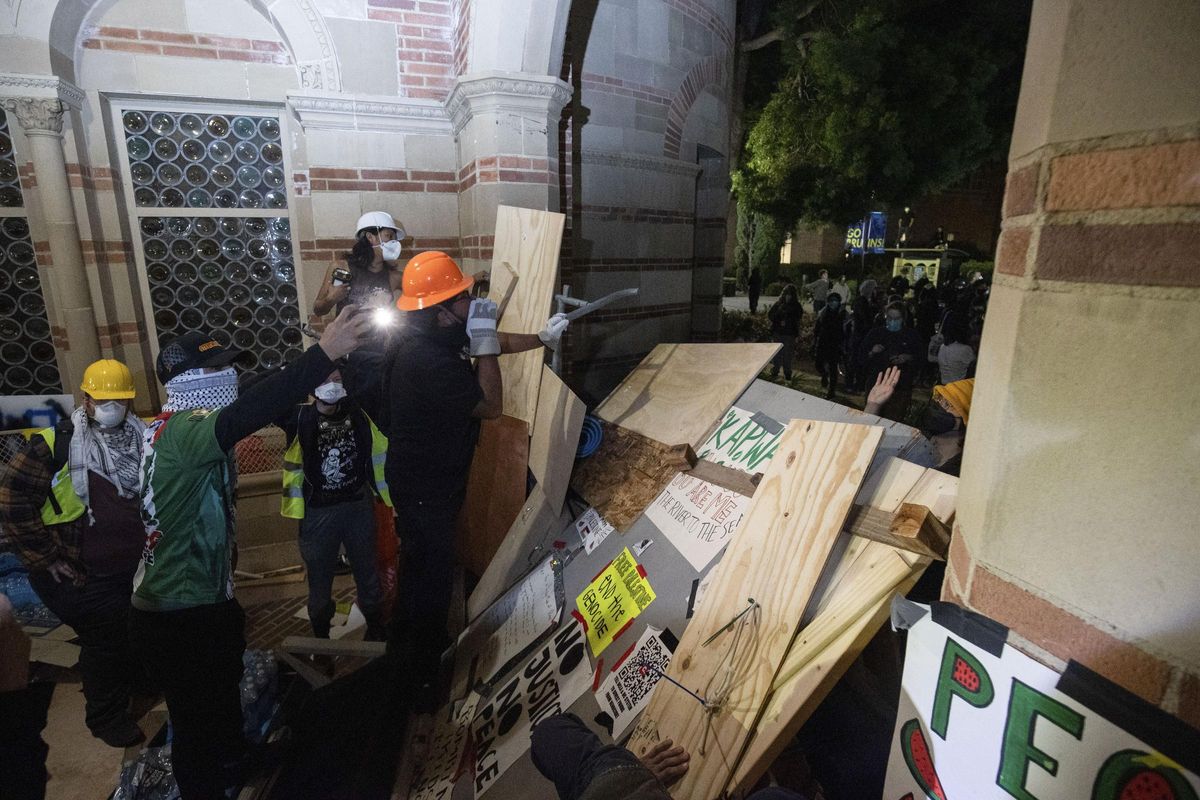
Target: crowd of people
[(128, 528), (929, 333)]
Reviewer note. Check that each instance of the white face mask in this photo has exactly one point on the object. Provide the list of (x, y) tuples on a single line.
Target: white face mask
[(110, 414), (330, 392), (390, 250)]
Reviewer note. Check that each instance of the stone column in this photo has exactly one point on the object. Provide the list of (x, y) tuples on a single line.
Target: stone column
[(1076, 523), (506, 126), (41, 120)]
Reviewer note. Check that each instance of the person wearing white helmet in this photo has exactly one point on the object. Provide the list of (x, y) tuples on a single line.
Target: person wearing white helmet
[(370, 277)]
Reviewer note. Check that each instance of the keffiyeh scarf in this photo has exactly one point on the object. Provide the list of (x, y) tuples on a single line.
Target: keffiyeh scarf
[(199, 389), (114, 454)]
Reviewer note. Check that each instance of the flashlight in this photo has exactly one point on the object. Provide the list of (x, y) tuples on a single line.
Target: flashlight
[(383, 317)]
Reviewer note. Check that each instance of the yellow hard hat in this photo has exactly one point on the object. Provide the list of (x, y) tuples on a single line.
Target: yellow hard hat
[(108, 379)]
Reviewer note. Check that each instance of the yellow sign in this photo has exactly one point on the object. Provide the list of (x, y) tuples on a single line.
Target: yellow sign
[(611, 602)]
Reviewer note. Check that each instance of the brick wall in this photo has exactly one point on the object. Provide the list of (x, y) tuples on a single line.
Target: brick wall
[(186, 45), (425, 35)]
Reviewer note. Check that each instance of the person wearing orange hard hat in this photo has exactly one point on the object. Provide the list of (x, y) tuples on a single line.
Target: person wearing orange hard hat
[(70, 505), (433, 399)]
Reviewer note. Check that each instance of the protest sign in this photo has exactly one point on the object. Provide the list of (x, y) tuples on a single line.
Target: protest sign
[(553, 678), (697, 516), (442, 765), (613, 600), (740, 442), (625, 691), (593, 529), (973, 724)]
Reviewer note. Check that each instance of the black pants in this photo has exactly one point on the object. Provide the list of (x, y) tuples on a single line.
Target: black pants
[(22, 750), (195, 656), (784, 357), (99, 613), (827, 368), (425, 586)]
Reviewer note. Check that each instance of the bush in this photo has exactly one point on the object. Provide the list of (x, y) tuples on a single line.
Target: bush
[(773, 289), (742, 326)]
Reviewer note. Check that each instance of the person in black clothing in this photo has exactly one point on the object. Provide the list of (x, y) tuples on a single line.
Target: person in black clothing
[(828, 336), (753, 289), (785, 328), (433, 401), (893, 344), (332, 472), (23, 710)]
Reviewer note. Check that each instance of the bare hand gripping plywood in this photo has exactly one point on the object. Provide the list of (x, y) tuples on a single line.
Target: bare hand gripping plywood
[(680, 391), (777, 558), (529, 241)]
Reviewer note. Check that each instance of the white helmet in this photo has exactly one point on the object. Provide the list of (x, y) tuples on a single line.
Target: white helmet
[(378, 219)]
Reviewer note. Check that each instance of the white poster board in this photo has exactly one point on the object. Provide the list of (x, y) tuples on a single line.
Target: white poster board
[(625, 690), (440, 768), (974, 725), (33, 411), (554, 677), (741, 443), (697, 516)]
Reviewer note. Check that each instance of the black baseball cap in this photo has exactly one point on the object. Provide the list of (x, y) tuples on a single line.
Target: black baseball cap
[(192, 350)]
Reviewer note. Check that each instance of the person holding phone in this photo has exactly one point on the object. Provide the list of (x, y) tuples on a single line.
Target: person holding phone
[(371, 274)]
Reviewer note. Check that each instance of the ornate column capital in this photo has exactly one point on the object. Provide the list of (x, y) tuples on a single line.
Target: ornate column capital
[(37, 115), (516, 93)]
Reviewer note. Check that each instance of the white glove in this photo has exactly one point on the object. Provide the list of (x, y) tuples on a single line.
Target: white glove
[(481, 327), (555, 327)]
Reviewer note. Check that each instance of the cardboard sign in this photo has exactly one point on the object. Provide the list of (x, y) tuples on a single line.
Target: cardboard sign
[(554, 677), (697, 516), (613, 600), (973, 725), (442, 765), (740, 442)]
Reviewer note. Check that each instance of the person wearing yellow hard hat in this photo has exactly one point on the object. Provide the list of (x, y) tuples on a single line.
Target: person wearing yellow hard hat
[(70, 504), (433, 399)]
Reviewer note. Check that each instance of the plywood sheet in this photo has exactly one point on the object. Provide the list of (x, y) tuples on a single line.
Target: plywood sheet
[(626, 473), (529, 241), (777, 558), (495, 490), (555, 437), (679, 391), (851, 611), (526, 541)]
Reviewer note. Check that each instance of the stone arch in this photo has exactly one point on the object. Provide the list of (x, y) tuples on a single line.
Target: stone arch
[(518, 36), (711, 72), (299, 23)]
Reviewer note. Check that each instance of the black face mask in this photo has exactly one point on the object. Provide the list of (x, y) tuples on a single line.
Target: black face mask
[(937, 421), (453, 336)]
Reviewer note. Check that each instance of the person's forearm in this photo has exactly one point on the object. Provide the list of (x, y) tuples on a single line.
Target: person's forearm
[(518, 342), (272, 396), (487, 372)]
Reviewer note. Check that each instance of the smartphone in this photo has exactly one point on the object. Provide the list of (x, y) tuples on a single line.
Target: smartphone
[(341, 276)]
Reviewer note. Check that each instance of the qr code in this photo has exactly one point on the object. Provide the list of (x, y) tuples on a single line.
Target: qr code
[(639, 674)]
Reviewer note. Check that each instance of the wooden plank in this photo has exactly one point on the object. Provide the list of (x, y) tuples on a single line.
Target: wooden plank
[(529, 241), (919, 525), (555, 437), (726, 477), (533, 528), (305, 670), (852, 611), (938, 492), (307, 645), (776, 558), (627, 471), (679, 391), (495, 490)]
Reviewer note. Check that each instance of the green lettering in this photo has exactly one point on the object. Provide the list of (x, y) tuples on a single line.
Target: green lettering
[(1024, 707), (961, 675), (735, 444)]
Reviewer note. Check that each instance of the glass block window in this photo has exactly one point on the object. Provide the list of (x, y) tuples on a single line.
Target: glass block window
[(208, 197), (10, 185), (204, 160), (232, 276), (27, 359)]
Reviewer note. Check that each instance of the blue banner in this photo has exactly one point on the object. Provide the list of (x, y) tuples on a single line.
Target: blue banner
[(869, 233)]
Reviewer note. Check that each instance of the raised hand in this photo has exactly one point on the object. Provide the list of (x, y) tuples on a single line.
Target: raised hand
[(481, 327), (343, 336)]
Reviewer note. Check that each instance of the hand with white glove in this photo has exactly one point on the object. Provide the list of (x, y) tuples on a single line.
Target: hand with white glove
[(481, 327), (552, 333)]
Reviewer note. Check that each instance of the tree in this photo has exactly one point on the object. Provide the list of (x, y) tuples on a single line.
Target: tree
[(890, 98), (759, 237)]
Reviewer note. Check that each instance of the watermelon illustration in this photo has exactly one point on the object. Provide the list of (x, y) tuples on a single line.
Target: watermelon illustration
[(965, 675), (920, 760), (1135, 775)]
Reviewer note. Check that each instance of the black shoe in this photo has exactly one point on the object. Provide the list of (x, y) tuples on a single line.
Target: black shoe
[(342, 567), (123, 734)]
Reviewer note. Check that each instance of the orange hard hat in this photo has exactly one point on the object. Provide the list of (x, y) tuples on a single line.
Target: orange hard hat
[(430, 278)]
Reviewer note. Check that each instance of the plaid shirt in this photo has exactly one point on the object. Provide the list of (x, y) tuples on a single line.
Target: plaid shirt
[(24, 488)]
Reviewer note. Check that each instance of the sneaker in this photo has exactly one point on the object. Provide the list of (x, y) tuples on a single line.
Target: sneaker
[(123, 734)]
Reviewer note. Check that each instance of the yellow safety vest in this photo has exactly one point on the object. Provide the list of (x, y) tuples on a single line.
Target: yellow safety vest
[(291, 505), (62, 505)]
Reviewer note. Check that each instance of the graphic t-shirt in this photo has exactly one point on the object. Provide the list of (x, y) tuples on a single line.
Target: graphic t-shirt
[(339, 463), (188, 511)]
